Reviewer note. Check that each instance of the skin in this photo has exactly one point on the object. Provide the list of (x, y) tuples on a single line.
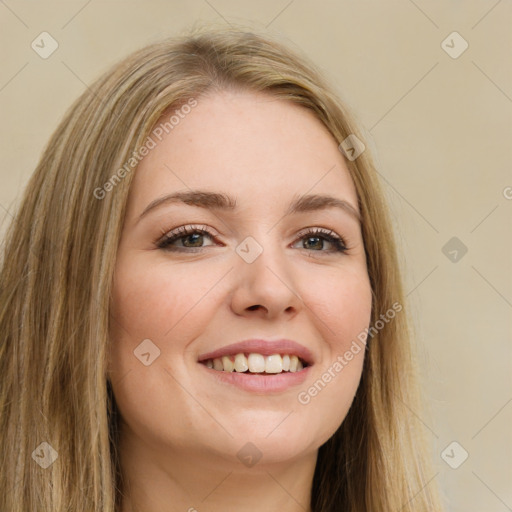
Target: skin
[(181, 428)]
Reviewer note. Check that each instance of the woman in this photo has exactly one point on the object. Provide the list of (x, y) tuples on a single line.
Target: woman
[(201, 305)]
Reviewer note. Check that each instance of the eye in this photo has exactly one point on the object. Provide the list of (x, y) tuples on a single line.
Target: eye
[(189, 237), (315, 239)]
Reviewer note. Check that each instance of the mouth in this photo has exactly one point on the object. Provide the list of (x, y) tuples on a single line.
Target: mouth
[(259, 357), (256, 364), (259, 366)]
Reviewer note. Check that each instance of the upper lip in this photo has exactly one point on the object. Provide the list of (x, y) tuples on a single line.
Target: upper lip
[(263, 347)]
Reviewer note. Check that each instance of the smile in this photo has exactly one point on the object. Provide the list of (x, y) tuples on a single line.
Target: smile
[(254, 363)]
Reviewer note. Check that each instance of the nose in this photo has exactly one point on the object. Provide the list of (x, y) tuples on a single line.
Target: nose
[(266, 287)]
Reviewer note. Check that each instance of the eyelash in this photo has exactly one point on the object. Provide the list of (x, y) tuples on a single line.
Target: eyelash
[(165, 242)]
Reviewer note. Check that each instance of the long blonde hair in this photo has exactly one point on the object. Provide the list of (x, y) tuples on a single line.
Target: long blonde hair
[(56, 279)]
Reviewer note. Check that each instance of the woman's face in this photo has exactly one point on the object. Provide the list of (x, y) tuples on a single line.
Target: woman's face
[(258, 269)]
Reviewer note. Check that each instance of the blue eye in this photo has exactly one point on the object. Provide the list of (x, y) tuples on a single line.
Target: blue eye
[(191, 238)]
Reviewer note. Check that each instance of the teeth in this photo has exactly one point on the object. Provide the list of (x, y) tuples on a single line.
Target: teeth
[(228, 364), (273, 364), (256, 363), (241, 363)]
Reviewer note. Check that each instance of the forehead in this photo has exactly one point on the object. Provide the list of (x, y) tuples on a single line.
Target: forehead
[(251, 145)]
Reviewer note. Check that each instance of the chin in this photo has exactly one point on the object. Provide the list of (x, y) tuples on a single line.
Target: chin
[(288, 441)]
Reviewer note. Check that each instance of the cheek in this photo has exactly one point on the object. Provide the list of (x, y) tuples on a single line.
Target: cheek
[(341, 302), (342, 307), (167, 305), (151, 300)]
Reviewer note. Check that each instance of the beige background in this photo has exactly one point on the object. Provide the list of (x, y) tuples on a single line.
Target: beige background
[(441, 129)]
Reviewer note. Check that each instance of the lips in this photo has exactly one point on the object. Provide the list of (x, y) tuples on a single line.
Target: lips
[(264, 382), (263, 347)]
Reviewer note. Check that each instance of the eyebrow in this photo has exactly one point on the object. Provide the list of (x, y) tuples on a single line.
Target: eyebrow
[(221, 201)]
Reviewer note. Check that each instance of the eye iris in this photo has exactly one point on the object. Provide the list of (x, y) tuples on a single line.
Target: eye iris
[(196, 236), (308, 240)]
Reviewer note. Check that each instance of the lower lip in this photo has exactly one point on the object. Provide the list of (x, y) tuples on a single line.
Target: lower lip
[(276, 383)]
